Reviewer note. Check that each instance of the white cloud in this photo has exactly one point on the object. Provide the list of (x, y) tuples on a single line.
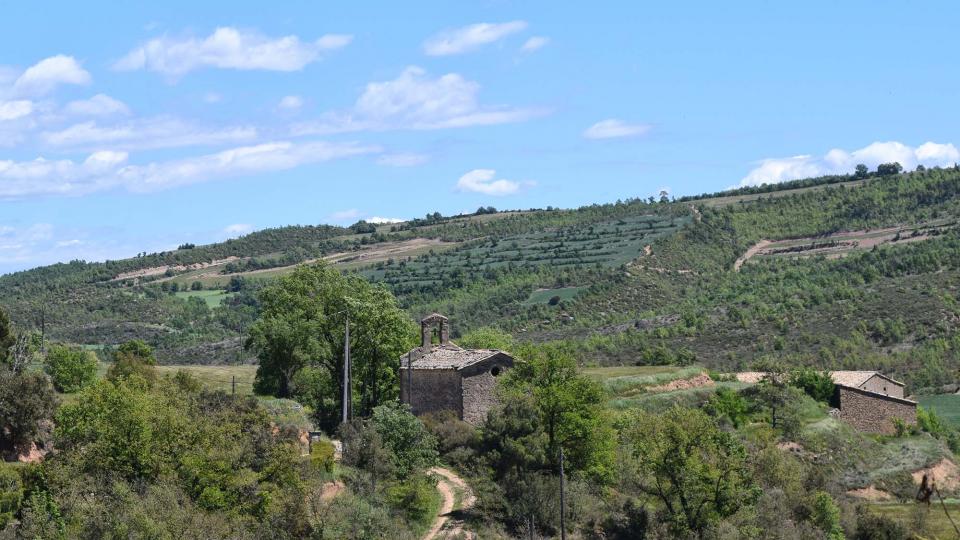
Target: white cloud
[(98, 105), (377, 220), (49, 73), (228, 48), (68, 243), (108, 170), (482, 181), (535, 43), (470, 38), (158, 132), (402, 160), (237, 229), (290, 103), (415, 100), (11, 110), (838, 161), (345, 215), (212, 97), (614, 128)]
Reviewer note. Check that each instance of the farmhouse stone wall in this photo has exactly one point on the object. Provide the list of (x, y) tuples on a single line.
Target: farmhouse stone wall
[(431, 390), (882, 386), (479, 388), (873, 413)]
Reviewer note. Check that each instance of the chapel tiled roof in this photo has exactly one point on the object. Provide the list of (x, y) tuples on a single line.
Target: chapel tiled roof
[(446, 356)]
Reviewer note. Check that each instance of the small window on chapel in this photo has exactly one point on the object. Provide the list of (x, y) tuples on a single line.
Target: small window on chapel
[(495, 371)]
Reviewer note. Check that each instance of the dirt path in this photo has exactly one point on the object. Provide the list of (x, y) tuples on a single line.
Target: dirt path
[(447, 525), (750, 253)]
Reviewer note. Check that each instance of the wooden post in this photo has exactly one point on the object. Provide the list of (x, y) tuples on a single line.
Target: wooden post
[(233, 385), (563, 501), (346, 373)]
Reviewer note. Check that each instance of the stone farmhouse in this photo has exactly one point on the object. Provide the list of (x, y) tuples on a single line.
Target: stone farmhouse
[(445, 377), (867, 400), (870, 401)]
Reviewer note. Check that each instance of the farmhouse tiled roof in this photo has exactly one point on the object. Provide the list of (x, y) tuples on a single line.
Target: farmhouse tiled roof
[(446, 356), (856, 378)]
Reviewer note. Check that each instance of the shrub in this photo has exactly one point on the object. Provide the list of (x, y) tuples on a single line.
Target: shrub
[(321, 455), (417, 498), (826, 515), (11, 494), (817, 384), (71, 368), (928, 421), (872, 526)]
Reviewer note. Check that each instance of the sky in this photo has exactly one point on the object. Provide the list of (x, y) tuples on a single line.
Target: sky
[(135, 126)]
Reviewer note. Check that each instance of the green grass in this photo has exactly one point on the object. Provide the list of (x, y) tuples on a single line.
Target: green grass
[(928, 521), (543, 296), (626, 381), (212, 298), (218, 377), (947, 407), (661, 401)]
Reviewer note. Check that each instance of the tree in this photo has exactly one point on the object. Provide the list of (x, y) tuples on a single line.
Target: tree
[(571, 408), (70, 368), (826, 515), (27, 400), (817, 384), (861, 171), (412, 447), (697, 471), (133, 359), (887, 169), (302, 324), (7, 337)]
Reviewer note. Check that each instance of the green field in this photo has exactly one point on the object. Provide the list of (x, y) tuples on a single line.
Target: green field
[(928, 521), (212, 298), (947, 407), (543, 296), (218, 377)]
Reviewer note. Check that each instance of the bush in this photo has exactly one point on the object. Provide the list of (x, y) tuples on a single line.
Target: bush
[(817, 384), (417, 498), (321, 455), (872, 526), (71, 368), (928, 421), (11, 494)]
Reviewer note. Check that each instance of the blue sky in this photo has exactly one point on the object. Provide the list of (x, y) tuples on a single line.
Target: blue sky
[(128, 127)]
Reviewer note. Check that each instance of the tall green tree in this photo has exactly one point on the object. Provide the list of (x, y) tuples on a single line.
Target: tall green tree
[(27, 400), (303, 321), (698, 472), (571, 407)]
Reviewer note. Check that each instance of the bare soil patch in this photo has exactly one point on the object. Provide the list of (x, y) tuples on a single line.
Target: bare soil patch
[(945, 473), (683, 384), (870, 493)]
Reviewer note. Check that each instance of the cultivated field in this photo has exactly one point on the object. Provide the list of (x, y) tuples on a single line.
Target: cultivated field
[(218, 377), (947, 407), (842, 243), (733, 199)]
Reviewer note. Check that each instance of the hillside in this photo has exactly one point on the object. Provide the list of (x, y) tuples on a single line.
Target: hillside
[(838, 272)]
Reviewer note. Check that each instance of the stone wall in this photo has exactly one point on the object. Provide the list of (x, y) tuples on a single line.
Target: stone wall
[(882, 386), (431, 390), (479, 387), (873, 413)]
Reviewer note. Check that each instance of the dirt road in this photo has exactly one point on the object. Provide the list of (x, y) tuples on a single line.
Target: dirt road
[(448, 524)]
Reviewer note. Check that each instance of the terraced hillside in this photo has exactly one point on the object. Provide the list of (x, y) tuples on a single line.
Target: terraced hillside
[(622, 283)]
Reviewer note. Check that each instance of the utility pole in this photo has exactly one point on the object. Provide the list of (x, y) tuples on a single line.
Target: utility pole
[(346, 373), (563, 501)]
